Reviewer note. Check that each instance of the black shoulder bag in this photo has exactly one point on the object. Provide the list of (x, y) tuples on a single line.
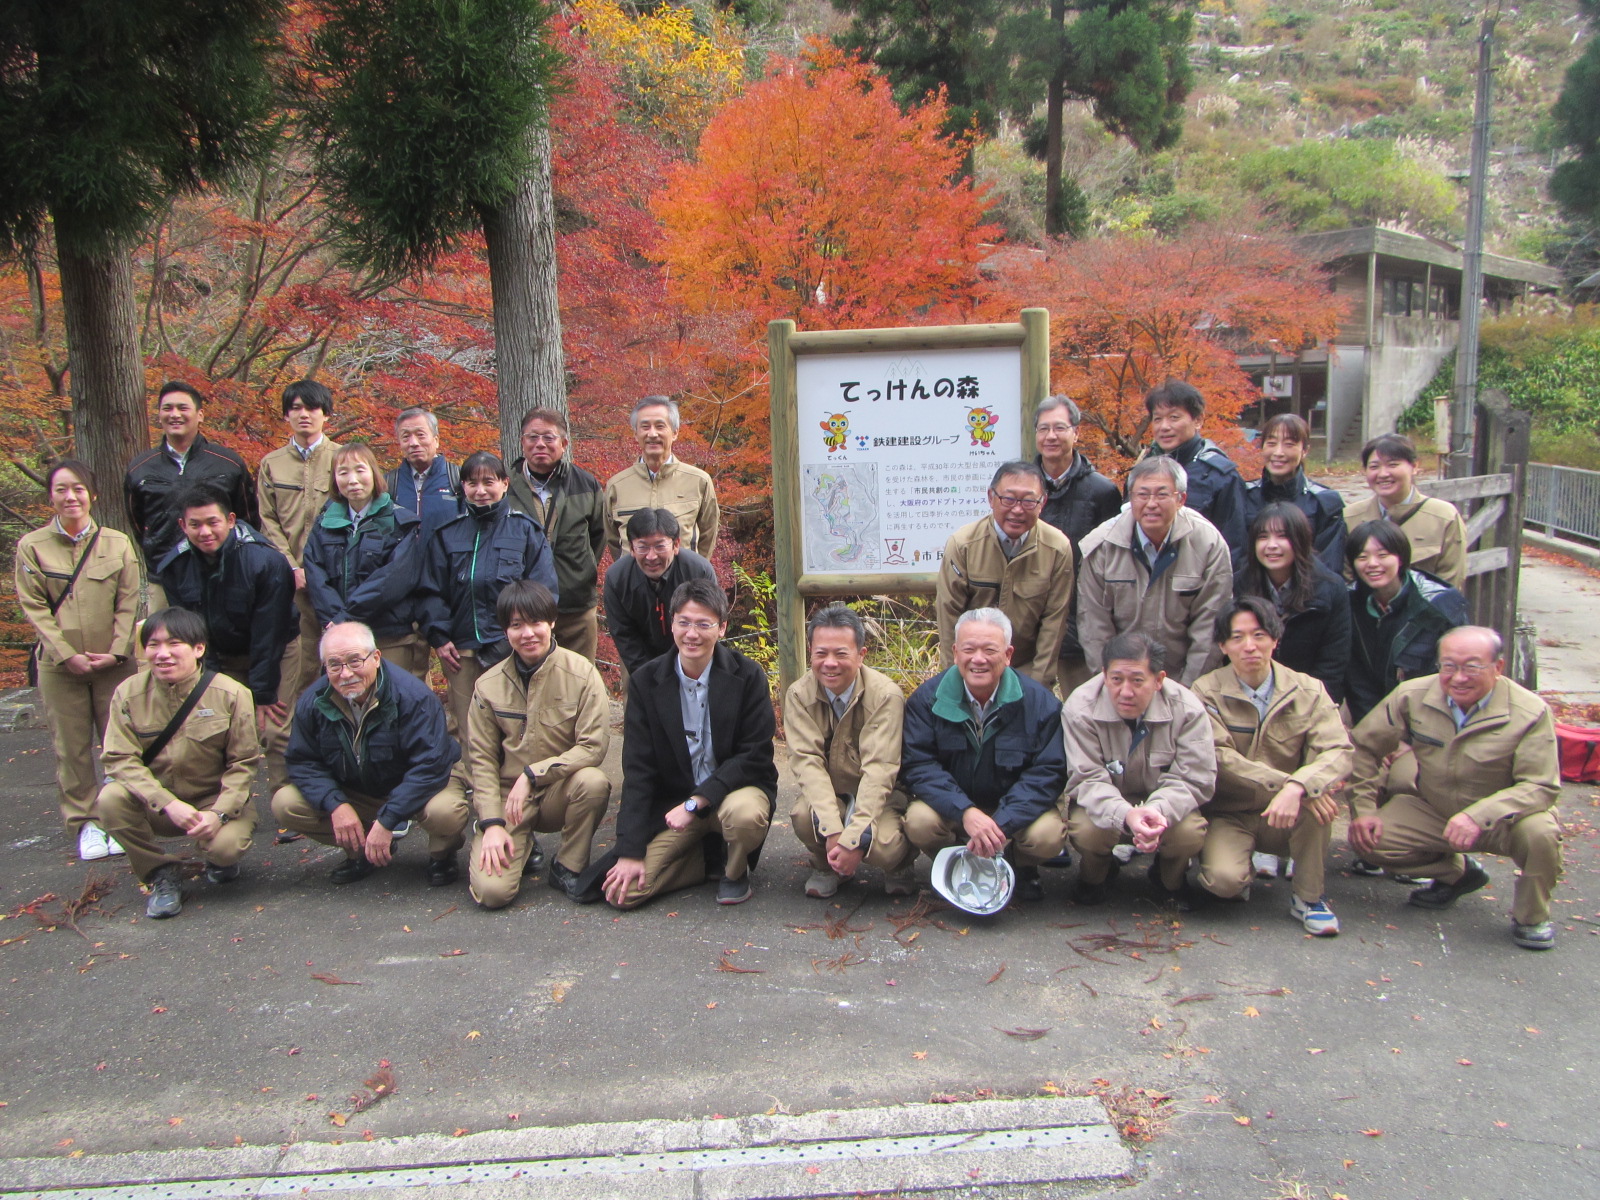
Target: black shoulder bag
[(178, 718)]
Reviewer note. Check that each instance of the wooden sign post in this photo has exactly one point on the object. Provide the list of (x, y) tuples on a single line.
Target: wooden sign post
[(883, 444)]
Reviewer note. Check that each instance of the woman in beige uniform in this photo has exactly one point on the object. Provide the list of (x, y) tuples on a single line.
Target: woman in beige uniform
[(78, 583)]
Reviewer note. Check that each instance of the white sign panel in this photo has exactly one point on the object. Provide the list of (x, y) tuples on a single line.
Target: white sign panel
[(896, 452)]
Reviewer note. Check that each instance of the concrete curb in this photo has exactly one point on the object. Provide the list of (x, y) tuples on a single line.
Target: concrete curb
[(19, 709), (1096, 1152), (1587, 555)]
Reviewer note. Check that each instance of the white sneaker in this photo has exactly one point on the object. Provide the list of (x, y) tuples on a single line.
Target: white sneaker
[(1265, 865), (1123, 852), (400, 830), (1317, 917), (92, 843), (821, 884), (113, 847)]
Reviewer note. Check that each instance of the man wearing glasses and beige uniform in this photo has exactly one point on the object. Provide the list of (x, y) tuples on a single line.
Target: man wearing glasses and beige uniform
[(1012, 561)]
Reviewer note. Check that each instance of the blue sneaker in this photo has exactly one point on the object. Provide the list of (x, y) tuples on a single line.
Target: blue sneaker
[(1317, 917)]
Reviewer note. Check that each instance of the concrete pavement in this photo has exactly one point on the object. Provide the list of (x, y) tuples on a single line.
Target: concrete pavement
[(1418, 1054)]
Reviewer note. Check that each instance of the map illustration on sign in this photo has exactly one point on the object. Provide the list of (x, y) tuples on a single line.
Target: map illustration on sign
[(841, 516), (897, 450)]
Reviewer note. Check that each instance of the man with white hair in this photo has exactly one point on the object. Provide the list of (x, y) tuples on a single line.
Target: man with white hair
[(1158, 568), (982, 756), (1487, 778), (369, 751), (658, 480)]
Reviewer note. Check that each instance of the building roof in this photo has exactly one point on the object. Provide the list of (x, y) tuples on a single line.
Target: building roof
[(1412, 247)]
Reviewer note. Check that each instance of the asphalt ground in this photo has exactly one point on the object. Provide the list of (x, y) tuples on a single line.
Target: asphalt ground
[(1417, 1054)]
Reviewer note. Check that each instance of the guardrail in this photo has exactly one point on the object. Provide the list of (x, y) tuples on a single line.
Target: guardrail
[(1562, 500)]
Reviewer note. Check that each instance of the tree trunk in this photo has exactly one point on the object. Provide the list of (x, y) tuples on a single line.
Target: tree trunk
[(520, 236), (105, 371), (1055, 99)]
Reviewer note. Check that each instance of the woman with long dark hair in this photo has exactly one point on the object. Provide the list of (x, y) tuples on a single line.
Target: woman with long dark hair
[(1285, 443), (1284, 570)]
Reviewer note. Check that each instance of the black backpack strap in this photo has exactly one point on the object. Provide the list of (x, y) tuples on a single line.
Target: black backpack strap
[(55, 605), (178, 718)]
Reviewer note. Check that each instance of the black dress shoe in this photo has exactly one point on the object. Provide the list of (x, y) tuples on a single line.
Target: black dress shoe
[(1088, 895), (216, 874), (535, 862), (570, 884), (1029, 889), (1183, 898), (350, 870), (443, 871), (1442, 895)]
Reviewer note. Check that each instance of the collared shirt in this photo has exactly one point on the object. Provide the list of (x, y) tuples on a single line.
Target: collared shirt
[(1151, 550), (74, 538), (1261, 697), (1280, 595), (670, 460), (1411, 499), (1011, 547), (980, 709), (1461, 718), (694, 698), (305, 452), (358, 515), (181, 459), (539, 483), (841, 701), (1057, 480)]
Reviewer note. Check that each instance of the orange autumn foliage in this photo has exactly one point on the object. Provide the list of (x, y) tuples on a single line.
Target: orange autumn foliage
[(814, 197), (1129, 310)]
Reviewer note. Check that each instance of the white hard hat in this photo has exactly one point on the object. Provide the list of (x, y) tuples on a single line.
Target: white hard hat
[(972, 882)]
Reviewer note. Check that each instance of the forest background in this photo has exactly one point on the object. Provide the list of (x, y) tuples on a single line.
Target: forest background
[(716, 167)]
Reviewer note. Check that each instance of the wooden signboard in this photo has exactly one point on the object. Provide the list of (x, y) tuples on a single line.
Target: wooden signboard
[(883, 444)]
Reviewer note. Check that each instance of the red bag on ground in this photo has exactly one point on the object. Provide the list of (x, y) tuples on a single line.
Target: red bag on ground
[(1579, 747)]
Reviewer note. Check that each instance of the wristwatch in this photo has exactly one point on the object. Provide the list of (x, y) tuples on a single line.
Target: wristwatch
[(694, 805)]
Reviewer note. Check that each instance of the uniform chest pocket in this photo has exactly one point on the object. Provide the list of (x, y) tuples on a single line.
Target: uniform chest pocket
[(508, 564), (1010, 758), (207, 728), (1187, 585)]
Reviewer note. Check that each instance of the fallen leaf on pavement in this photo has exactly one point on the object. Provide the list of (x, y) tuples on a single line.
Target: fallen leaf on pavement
[(1213, 1099), (558, 992), (334, 980), (1195, 999), (919, 1054), (460, 1132), (174, 1121), (1502, 1124), (474, 1036), (1464, 1062), (713, 1004), (1024, 1035), (1316, 1051), (452, 953), (338, 1118), (997, 974), (1241, 1120), (1372, 1132), (1250, 1010)]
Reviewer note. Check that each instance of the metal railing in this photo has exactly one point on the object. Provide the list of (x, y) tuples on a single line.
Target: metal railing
[(1562, 500)]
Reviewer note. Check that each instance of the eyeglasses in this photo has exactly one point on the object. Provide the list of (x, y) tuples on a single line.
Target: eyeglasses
[(1025, 503), (698, 626), (1470, 670), (337, 665), (1144, 497), (1061, 429), (548, 439)]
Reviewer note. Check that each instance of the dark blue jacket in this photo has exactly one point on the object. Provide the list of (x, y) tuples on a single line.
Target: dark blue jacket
[(401, 755), (1323, 507), (1015, 774), (365, 574), (438, 503), (1316, 640), (1391, 647), (247, 598), (467, 564), (1216, 491)]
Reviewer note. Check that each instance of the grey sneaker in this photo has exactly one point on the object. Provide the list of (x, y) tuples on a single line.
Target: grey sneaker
[(166, 896), (821, 884), (1535, 937), (216, 874), (902, 881), (400, 830)]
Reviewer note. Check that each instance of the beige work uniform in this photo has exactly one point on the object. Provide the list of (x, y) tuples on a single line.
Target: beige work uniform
[(1179, 610), (97, 618), (684, 491), (1033, 589), (559, 727), (1500, 769), (209, 764), (845, 769), (675, 858), (291, 492), (1173, 770), (1437, 534), (1301, 739)]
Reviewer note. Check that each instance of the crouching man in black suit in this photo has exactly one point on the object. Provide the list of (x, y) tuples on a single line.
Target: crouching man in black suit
[(698, 778)]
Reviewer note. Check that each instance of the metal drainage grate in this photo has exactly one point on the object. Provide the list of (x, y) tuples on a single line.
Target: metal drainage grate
[(866, 1149)]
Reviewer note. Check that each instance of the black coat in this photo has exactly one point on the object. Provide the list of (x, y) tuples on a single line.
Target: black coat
[(1082, 501), (1216, 491), (467, 564), (574, 524), (246, 597), (152, 478), (636, 605), (1316, 641), (1400, 644), (657, 774), (1323, 507), (371, 578), (402, 757)]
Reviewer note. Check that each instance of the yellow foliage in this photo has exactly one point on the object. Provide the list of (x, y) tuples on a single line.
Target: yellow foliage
[(678, 69)]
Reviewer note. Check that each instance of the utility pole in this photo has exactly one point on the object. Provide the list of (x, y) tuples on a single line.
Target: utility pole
[(1464, 417)]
